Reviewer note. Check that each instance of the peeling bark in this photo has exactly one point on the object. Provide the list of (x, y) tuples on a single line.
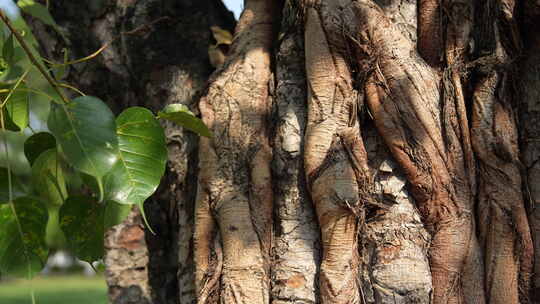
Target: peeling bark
[(395, 245)]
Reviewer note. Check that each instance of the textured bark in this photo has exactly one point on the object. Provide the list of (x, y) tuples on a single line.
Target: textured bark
[(296, 246), (235, 198), (121, 241), (360, 148), (504, 232), (404, 98), (529, 89), (335, 158), (395, 242)]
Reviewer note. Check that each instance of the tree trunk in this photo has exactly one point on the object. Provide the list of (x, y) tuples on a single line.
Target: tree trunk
[(364, 151)]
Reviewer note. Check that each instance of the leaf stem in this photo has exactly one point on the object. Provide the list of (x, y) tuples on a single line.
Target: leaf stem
[(67, 86), (32, 58), (91, 56)]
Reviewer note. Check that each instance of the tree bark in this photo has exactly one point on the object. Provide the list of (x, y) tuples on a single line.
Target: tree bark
[(530, 129), (364, 151)]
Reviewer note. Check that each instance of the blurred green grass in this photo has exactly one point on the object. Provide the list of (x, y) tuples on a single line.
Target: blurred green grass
[(70, 289)]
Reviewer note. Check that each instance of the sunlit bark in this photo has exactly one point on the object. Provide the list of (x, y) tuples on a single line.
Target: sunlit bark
[(364, 151)]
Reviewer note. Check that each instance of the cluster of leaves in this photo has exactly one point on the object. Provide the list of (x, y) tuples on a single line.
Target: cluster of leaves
[(87, 170)]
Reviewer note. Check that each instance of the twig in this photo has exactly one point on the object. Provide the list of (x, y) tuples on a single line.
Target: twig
[(32, 58)]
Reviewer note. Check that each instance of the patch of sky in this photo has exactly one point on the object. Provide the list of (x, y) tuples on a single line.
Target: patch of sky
[(235, 6), (10, 8)]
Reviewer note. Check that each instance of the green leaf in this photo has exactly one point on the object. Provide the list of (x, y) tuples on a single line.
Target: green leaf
[(17, 107), (81, 219), (7, 50), (74, 181), (115, 213), (11, 74), (8, 122), (37, 144), (36, 10), (142, 157), (20, 25), (89, 182), (49, 181), (181, 115), (18, 54), (48, 178), (17, 186), (26, 255), (54, 236), (86, 131)]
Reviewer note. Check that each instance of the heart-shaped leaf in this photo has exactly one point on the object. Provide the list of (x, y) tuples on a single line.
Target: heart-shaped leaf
[(86, 131), (115, 213), (81, 220), (23, 252), (142, 157), (17, 107), (54, 236), (37, 144), (48, 178), (8, 122), (181, 115)]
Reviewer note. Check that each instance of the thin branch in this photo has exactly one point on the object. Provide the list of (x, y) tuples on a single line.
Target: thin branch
[(23, 44)]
